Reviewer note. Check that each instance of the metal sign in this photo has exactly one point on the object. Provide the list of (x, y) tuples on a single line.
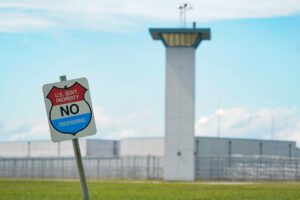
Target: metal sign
[(69, 109)]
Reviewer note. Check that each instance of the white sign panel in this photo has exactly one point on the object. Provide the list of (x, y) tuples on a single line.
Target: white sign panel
[(69, 109)]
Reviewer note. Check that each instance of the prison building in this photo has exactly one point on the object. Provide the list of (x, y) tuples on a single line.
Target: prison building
[(89, 148), (213, 146), (152, 146)]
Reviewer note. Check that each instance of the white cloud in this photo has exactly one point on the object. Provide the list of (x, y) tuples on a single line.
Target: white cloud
[(15, 22), (235, 122), (25, 130), (134, 124), (115, 15), (240, 122)]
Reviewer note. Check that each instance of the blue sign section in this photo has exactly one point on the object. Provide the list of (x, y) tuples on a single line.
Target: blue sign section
[(72, 125)]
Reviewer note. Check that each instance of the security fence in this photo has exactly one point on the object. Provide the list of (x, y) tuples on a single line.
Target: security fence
[(248, 168), (136, 167), (234, 168)]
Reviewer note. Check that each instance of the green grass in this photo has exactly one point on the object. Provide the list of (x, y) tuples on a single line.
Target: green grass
[(13, 189)]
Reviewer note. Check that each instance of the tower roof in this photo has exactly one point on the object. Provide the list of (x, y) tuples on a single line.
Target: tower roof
[(180, 37)]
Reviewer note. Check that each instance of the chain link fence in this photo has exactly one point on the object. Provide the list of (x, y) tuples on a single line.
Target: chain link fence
[(135, 167), (248, 168), (234, 168)]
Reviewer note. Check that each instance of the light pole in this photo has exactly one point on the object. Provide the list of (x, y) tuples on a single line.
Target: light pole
[(218, 114), (272, 126), (182, 12)]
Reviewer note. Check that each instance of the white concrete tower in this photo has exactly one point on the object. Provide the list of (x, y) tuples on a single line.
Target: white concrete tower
[(180, 99)]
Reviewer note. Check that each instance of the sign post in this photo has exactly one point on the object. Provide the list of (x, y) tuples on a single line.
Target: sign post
[(80, 168), (70, 115)]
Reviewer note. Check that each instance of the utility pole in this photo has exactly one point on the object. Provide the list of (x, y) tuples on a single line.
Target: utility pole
[(272, 126)]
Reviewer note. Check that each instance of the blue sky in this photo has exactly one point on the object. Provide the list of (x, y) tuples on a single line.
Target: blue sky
[(251, 66)]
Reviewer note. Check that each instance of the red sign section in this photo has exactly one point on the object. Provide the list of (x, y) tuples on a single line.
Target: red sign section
[(71, 94)]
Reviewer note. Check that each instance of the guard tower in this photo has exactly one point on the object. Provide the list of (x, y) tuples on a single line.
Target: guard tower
[(180, 43)]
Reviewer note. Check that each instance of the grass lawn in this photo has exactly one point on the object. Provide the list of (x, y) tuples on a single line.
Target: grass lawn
[(13, 189)]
